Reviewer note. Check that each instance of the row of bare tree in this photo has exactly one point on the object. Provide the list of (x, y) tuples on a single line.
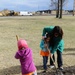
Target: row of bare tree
[(58, 6)]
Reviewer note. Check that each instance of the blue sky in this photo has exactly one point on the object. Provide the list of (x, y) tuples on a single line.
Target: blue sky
[(29, 5)]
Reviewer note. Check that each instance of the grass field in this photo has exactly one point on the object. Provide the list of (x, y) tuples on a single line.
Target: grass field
[(30, 28)]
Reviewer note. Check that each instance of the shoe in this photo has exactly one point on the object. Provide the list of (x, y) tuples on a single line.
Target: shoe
[(60, 68), (52, 66)]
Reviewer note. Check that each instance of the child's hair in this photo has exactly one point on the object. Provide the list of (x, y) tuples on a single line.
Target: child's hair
[(57, 29), (22, 44), (48, 35)]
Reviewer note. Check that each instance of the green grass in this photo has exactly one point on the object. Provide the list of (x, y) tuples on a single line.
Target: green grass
[(30, 28)]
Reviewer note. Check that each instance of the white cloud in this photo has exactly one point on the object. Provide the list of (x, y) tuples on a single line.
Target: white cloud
[(14, 4), (31, 3), (24, 4)]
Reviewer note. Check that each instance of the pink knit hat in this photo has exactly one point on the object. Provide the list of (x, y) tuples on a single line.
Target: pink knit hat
[(22, 44)]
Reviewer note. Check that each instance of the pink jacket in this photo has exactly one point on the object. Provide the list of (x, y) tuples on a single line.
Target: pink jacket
[(25, 56)]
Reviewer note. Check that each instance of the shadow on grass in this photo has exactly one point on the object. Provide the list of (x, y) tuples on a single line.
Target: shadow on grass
[(11, 70), (70, 54), (69, 49), (16, 70)]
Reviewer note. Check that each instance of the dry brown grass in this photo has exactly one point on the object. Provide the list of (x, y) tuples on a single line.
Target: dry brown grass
[(30, 28)]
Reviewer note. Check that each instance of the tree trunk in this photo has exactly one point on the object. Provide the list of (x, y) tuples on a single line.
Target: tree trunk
[(60, 9), (57, 11)]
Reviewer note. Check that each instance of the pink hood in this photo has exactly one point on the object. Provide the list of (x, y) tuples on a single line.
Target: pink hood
[(22, 44)]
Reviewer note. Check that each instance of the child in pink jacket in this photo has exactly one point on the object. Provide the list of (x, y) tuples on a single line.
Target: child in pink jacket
[(24, 54)]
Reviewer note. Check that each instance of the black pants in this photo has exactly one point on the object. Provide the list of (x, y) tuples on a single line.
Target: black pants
[(59, 59)]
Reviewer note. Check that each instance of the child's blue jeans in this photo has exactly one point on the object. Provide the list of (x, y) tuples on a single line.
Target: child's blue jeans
[(45, 60)]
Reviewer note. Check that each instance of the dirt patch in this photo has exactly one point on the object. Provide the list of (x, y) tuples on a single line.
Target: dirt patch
[(66, 71)]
